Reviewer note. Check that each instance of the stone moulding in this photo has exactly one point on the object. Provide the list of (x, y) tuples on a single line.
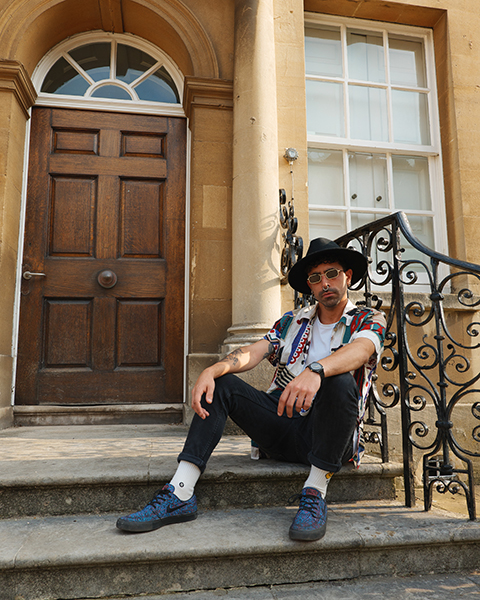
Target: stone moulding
[(15, 79), (207, 93)]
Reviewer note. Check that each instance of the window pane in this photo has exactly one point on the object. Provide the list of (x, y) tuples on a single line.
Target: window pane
[(94, 59), (64, 79), (422, 228), (368, 180), (361, 219), (111, 91), (159, 87), (366, 56), (411, 183), (407, 62), (325, 108), (131, 63), (410, 117), (325, 177), (323, 52), (327, 224), (368, 113)]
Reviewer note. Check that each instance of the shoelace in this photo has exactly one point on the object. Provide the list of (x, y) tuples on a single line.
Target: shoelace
[(307, 502), (156, 501)]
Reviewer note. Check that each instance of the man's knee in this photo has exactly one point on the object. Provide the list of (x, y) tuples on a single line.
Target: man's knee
[(226, 381), (342, 387)]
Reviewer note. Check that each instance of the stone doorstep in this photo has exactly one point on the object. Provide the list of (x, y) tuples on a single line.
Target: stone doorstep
[(115, 414), (67, 557), (82, 470)]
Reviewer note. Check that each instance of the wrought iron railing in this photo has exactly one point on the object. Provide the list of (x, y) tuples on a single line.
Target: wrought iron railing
[(430, 367)]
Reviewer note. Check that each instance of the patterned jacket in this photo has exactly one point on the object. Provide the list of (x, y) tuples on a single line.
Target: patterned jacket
[(290, 337)]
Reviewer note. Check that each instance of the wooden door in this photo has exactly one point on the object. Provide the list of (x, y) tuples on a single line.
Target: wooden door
[(105, 225)]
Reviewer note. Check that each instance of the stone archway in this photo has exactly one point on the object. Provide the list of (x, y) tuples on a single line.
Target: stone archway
[(29, 30)]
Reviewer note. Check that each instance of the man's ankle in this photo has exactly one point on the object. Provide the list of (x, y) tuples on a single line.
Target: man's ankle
[(184, 480)]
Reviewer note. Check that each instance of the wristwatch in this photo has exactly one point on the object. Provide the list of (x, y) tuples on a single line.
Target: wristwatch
[(316, 367)]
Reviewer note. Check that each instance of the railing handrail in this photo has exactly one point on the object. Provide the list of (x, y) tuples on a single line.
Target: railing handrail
[(401, 218)]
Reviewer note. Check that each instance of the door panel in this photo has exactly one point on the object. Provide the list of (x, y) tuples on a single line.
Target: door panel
[(105, 224)]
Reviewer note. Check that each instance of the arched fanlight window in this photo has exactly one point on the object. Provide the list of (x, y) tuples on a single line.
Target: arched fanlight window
[(111, 68)]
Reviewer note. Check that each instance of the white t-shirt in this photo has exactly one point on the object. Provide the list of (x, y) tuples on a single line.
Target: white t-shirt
[(320, 341)]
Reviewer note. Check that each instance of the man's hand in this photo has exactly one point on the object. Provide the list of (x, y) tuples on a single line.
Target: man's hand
[(299, 393), (205, 385)]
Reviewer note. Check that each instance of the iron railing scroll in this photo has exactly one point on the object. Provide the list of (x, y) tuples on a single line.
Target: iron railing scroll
[(292, 244), (430, 366)]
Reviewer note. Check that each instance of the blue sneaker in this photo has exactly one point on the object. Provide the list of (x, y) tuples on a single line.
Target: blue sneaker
[(310, 522), (164, 509)]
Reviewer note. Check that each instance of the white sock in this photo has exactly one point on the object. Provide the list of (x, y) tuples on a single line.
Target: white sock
[(184, 480), (318, 479)]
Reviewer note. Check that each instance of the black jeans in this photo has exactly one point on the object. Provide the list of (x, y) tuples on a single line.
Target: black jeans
[(322, 438)]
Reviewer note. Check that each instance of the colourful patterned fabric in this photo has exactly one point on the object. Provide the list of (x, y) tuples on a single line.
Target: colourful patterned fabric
[(291, 335), (164, 509), (310, 522)]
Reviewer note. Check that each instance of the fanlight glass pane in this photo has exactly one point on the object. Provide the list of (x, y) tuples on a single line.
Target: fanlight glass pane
[(366, 56), (323, 52), (368, 113), (407, 62), (64, 79), (132, 63), (111, 91), (410, 117), (368, 180), (159, 87), (94, 59), (327, 224), (325, 108), (411, 183), (325, 177)]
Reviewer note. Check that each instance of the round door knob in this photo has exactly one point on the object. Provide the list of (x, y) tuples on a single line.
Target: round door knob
[(107, 279)]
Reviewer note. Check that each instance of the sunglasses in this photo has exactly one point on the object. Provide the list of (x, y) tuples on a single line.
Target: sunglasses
[(330, 274)]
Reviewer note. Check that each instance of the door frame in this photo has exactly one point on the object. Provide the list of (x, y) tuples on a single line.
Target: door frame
[(77, 105)]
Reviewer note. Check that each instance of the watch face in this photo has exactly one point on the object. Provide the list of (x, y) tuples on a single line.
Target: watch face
[(317, 368)]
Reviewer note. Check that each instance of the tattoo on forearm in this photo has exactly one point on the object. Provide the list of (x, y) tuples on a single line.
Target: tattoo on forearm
[(233, 357), (270, 351)]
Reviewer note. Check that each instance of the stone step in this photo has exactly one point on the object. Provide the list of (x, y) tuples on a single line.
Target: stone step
[(97, 469), (432, 587), (86, 557)]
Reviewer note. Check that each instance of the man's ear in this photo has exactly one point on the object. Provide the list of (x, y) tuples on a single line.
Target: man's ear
[(349, 274)]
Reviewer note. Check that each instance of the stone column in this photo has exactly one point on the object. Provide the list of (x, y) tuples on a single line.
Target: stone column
[(255, 229)]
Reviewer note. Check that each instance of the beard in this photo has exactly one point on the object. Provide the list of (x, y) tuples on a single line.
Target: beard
[(331, 297)]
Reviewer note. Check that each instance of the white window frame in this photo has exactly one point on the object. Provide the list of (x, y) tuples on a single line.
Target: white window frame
[(87, 102), (347, 145)]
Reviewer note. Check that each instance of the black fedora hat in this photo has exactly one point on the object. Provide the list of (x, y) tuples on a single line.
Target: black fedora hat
[(319, 249)]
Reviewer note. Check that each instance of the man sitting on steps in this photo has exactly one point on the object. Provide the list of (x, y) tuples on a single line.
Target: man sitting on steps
[(325, 357)]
